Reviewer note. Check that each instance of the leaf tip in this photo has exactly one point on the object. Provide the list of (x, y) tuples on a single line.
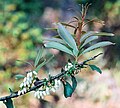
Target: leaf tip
[(45, 45), (112, 34)]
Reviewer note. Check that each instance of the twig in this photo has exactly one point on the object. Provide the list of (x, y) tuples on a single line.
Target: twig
[(41, 82), (91, 58)]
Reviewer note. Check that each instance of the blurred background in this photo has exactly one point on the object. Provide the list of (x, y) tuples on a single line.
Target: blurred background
[(22, 28)]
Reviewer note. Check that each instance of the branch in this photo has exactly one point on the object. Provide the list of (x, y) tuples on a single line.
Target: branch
[(41, 82), (92, 58)]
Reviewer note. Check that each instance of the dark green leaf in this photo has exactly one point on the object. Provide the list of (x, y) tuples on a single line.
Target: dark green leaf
[(68, 90), (97, 45), (93, 67), (67, 37), (58, 46), (74, 83), (38, 57), (19, 76), (9, 103)]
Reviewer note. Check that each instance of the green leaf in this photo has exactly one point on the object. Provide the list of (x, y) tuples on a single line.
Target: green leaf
[(49, 59), (38, 57), (67, 37), (104, 34), (86, 35), (88, 40), (74, 83), (97, 45), (8, 103), (58, 46), (68, 90), (19, 76), (93, 67), (43, 63), (51, 29), (11, 91), (55, 40), (25, 62), (94, 33), (40, 65)]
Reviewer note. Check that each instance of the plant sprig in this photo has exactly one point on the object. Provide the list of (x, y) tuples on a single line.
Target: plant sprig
[(41, 82)]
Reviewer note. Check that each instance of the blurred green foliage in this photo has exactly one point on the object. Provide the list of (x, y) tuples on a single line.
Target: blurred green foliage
[(19, 33)]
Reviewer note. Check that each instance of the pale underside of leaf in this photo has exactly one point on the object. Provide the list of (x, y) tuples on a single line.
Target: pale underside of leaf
[(97, 45), (94, 33), (89, 39), (86, 35), (67, 37), (58, 46)]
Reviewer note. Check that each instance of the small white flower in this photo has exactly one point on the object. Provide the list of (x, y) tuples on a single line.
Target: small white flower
[(44, 93), (47, 91), (34, 72), (56, 84), (21, 85), (28, 84), (59, 82), (19, 92), (25, 84), (56, 81), (25, 79), (36, 93), (22, 91), (66, 69), (30, 80), (70, 64), (41, 94), (30, 74), (53, 89), (25, 90)]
